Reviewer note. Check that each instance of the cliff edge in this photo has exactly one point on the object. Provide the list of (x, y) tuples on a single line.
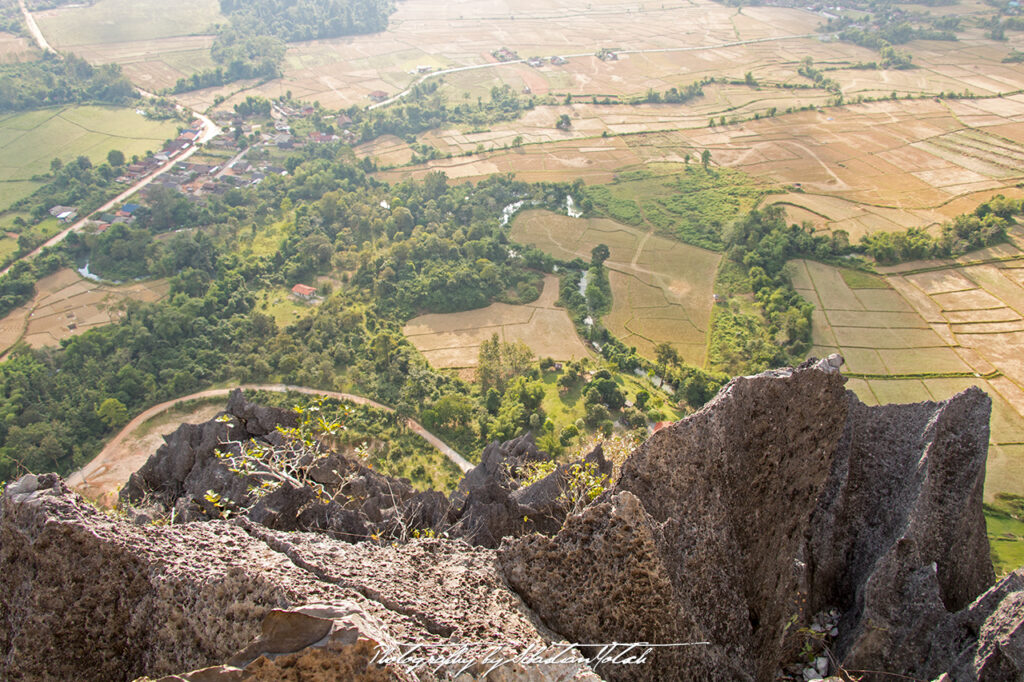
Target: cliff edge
[(784, 531)]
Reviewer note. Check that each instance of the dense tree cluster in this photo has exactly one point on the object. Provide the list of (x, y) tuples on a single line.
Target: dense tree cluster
[(61, 79), (410, 248), (424, 108), (297, 20), (238, 55), (984, 227)]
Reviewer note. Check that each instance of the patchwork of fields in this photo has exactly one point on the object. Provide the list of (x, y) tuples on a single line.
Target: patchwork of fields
[(155, 42), (66, 305), (926, 335), (661, 288), (452, 340)]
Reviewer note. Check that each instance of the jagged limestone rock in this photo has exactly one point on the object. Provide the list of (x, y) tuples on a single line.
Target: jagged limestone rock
[(783, 495), (783, 498)]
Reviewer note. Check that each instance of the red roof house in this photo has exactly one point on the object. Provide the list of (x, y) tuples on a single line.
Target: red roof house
[(303, 291)]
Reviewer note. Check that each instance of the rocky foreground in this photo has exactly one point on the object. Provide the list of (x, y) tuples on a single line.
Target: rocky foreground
[(784, 531)]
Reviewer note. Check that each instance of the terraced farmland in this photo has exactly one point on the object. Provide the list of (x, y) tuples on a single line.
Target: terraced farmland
[(935, 332)]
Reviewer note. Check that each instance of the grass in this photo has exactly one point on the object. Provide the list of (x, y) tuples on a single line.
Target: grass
[(282, 307), (13, 190), (46, 228), (858, 279), (1004, 519), (8, 247), (685, 201), (29, 141), (120, 21)]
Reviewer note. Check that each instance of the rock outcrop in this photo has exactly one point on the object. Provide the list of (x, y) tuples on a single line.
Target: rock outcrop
[(783, 496), (784, 515), (363, 503), (490, 503), (86, 596)]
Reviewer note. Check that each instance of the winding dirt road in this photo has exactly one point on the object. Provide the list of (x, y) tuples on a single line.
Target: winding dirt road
[(100, 479)]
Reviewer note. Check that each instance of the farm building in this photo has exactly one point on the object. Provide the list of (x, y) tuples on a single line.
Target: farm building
[(378, 95), (64, 214), (303, 291)]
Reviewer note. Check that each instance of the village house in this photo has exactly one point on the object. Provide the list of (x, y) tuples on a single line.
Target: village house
[(322, 138), (378, 95), (65, 214), (303, 291)]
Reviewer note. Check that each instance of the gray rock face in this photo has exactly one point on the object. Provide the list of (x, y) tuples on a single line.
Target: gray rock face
[(488, 505), (85, 596), (182, 471), (782, 496), (491, 505), (784, 505)]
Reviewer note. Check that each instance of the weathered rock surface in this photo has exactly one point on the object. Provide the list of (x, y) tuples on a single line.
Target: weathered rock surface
[(489, 504), (784, 506), (180, 474), (85, 596), (782, 496)]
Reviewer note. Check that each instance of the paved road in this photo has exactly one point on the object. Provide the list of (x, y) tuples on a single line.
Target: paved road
[(491, 65), (107, 471), (208, 132)]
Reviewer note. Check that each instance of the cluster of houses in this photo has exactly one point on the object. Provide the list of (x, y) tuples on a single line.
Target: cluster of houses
[(537, 62), (125, 214), (139, 169), (505, 55)]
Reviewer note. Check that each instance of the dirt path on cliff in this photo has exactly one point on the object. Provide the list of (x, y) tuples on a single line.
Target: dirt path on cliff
[(101, 478)]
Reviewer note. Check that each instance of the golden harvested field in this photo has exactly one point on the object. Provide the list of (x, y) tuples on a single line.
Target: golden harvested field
[(876, 330), (66, 305), (661, 288), (155, 42), (15, 48), (452, 341), (966, 322), (342, 72)]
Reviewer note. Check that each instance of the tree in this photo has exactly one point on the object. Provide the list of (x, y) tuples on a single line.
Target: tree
[(564, 122), (113, 412), (115, 157), (705, 158), (599, 254)]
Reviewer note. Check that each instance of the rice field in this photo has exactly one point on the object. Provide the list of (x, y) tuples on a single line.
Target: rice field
[(66, 305), (933, 334), (661, 288), (29, 141), (452, 340)]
